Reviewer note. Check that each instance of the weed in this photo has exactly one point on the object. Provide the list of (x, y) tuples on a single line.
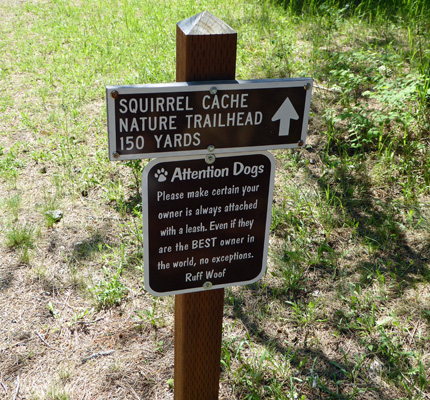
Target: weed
[(64, 374), (57, 394), (115, 194), (390, 350), (52, 310), (151, 315), (305, 314), (231, 349), (49, 208), (292, 278), (136, 168), (135, 230), (111, 291), (10, 165), (13, 205), (21, 236)]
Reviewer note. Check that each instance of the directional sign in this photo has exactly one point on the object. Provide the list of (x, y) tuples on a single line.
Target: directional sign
[(147, 121), (206, 226)]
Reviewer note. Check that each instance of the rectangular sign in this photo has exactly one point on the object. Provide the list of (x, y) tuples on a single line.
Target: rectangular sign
[(147, 121), (206, 226)]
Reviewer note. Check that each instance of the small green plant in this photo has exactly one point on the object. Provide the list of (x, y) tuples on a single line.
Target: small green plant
[(136, 168), (110, 292), (80, 314), (150, 315), (52, 310), (360, 313), (292, 278), (279, 216), (135, 229), (305, 314), (232, 349), (21, 236), (64, 374), (116, 195), (390, 350), (353, 369), (13, 205), (423, 382), (49, 208), (57, 393), (10, 164)]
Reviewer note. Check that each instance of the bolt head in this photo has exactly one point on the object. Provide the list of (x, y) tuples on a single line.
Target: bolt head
[(114, 94), (213, 90), (308, 86), (115, 154), (301, 143), (211, 148), (210, 159), (207, 285)]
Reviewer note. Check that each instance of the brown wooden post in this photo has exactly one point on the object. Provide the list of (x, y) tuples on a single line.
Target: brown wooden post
[(205, 51)]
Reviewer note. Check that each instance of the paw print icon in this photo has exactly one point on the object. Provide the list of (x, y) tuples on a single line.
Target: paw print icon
[(161, 175)]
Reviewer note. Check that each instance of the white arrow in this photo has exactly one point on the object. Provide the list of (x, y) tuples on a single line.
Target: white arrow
[(285, 113)]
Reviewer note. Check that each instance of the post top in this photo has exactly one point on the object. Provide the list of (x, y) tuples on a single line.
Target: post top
[(204, 23)]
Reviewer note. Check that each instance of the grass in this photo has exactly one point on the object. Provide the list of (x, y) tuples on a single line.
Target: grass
[(344, 309), (110, 291), (21, 237)]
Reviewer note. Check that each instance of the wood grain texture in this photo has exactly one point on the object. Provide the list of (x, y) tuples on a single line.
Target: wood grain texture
[(205, 57), (198, 331), (198, 316)]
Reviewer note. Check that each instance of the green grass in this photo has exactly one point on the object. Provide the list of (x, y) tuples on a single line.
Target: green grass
[(110, 291), (343, 311), (21, 237)]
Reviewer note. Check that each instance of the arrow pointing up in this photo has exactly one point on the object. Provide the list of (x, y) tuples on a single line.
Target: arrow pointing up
[(285, 113)]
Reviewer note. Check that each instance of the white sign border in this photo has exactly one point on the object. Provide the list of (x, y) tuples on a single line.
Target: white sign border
[(203, 87), (145, 194)]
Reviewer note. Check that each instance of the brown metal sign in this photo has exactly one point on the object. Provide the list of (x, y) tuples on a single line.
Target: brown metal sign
[(146, 121), (206, 225)]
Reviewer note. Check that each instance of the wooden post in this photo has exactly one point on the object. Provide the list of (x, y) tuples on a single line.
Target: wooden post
[(205, 51)]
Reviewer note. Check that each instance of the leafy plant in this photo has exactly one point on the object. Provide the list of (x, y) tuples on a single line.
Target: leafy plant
[(305, 314), (150, 314), (389, 349)]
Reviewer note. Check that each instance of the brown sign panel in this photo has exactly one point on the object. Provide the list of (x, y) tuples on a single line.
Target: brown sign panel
[(206, 225), (147, 121)]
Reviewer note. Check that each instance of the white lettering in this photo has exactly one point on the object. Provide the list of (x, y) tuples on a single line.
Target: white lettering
[(155, 104), (123, 104), (133, 106), (227, 101)]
